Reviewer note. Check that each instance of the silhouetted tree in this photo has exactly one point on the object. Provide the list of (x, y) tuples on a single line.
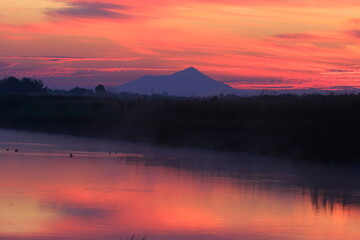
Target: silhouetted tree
[(81, 92), (100, 89), (268, 92), (13, 85)]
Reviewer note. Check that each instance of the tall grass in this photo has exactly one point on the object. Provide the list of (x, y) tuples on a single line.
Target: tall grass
[(310, 127)]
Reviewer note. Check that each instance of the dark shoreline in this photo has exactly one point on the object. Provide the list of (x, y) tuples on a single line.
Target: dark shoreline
[(312, 128)]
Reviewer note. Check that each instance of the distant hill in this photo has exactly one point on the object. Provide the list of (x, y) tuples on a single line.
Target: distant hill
[(188, 82)]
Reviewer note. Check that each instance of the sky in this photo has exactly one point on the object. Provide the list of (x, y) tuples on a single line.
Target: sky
[(248, 44)]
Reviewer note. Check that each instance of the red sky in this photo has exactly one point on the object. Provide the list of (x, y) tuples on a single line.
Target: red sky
[(245, 43)]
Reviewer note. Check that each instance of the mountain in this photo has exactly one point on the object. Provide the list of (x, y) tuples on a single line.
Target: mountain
[(188, 82)]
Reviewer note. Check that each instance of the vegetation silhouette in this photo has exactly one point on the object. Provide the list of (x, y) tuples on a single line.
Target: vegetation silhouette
[(80, 92), (100, 89), (13, 85), (133, 238), (321, 128)]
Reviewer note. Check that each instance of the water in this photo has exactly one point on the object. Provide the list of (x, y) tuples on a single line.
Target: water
[(166, 193)]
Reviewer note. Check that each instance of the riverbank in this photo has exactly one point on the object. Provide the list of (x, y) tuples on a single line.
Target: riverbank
[(307, 128)]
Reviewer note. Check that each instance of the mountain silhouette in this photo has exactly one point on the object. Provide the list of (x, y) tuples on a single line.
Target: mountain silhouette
[(188, 82)]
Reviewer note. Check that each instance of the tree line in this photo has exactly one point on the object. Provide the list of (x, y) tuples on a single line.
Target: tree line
[(13, 85), (31, 86)]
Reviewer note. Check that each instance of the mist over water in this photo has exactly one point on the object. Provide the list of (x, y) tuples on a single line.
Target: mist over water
[(112, 190)]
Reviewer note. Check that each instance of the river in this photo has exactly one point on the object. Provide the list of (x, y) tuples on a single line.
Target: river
[(111, 190)]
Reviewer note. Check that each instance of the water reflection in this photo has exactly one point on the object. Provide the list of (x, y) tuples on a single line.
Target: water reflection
[(166, 193)]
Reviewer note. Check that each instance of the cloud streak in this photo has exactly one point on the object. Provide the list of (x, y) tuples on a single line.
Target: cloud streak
[(296, 36), (6, 64), (355, 33), (72, 59), (89, 10)]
